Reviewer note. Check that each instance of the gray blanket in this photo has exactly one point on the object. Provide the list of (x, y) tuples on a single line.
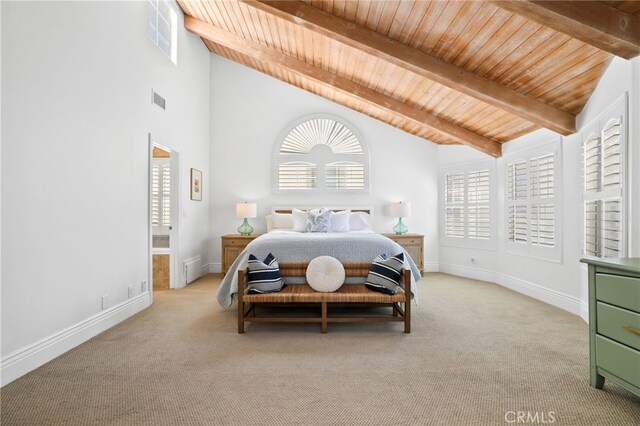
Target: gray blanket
[(303, 247)]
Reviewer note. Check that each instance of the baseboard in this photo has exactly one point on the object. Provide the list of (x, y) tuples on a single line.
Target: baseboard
[(468, 272), (584, 311), (432, 267), (563, 301), (206, 269), (215, 267), (20, 362)]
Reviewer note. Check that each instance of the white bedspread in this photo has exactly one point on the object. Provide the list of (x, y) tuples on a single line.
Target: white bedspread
[(303, 247)]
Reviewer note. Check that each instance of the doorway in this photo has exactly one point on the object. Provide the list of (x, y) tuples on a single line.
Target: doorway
[(164, 220)]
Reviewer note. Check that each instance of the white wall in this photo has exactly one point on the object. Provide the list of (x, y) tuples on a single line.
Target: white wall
[(250, 110), (76, 97), (562, 284)]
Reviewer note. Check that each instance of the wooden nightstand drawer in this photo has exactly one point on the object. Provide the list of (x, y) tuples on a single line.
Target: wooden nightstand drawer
[(618, 359), (619, 324), (619, 291), (232, 246)]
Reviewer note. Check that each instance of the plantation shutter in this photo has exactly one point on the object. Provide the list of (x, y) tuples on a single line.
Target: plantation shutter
[(344, 175), (478, 216), (541, 178), (603, 189), (297, 175), (517, 191), (161, 196), (454, 205)]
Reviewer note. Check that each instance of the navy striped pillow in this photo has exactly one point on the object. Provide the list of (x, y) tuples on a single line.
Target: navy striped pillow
[(385, 274), (264, 277)]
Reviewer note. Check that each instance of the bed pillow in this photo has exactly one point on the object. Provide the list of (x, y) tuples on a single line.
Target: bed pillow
[(279, 221), (340, 221), (318, 221), (385, 274), (359, 221), (299, 219), (263, 277)]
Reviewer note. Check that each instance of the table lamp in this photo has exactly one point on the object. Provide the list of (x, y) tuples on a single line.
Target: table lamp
[(246, 211), (400, 210)]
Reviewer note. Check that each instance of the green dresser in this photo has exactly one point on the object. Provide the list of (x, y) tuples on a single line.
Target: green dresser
[(614, 322)]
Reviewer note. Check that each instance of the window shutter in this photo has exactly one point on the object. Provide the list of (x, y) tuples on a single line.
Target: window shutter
[(454, 222), (603, 195), (517, 177), (344, 175), (478, 218), (454, 205), (611, 170), (166, 195), (155, 195), (297, 175), (518, 223), (454, 188), (592, 218), (612, 229), (543, 225), (592, 164), (541, 176)]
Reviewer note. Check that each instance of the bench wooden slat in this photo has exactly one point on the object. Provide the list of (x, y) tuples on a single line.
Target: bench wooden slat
[(303, 293)]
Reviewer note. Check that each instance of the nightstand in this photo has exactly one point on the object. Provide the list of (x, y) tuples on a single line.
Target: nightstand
[(413, 244), (232, 246)]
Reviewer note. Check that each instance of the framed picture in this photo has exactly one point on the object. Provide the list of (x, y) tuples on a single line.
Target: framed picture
[(196, 185)]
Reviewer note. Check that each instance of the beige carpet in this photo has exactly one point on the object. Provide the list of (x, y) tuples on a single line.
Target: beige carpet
[(477, 351)]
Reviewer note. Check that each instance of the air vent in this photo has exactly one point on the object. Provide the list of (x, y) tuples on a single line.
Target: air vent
[(159, 100)]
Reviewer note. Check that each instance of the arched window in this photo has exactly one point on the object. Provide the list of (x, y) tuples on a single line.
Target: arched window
[(321, 153)]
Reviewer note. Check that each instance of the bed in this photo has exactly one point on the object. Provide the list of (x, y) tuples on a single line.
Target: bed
[(288, 246)]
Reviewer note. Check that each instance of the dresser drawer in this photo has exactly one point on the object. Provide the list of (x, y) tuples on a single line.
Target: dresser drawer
[(612, 322), (618, 359), (618, 290)]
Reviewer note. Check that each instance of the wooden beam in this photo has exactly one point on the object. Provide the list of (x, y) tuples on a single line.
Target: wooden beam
[(423, 64), (342, 85), (592, 22)]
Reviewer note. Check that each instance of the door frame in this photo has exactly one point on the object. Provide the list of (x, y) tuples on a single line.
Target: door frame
[(175, 276)]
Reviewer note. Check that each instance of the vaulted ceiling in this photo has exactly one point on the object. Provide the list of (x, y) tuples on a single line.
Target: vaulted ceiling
[(453, 72)]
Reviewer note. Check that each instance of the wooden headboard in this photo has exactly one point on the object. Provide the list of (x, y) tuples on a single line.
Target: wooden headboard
[(289, 210)]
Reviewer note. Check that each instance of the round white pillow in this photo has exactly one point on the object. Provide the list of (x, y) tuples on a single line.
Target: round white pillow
[(325, 274)]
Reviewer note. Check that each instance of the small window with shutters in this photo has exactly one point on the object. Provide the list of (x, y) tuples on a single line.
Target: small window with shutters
[(321, 153), (468, 199), (604, 149), (161, 196), (163, 27), (532, 201)]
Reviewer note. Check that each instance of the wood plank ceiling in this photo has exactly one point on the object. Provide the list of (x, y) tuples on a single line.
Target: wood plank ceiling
[(450, 72)]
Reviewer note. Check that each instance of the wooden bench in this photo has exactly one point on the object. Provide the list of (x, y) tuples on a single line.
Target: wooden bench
[(303, 294)]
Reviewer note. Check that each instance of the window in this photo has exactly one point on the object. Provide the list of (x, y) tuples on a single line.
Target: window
[(163, 27), (467, 197), (603, 150), (532, 201), (321, 154), (161, 196)]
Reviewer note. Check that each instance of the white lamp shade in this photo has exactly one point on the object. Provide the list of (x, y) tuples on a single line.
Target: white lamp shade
[(246, 210), (400, 209)]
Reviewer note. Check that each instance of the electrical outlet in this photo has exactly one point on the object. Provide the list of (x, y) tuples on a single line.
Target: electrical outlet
[(143, 286), (130, 291), (105, 301), (473, 260)]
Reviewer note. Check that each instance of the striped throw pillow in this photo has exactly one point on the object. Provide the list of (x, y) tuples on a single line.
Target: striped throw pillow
[(264, 277), (385, 274)]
